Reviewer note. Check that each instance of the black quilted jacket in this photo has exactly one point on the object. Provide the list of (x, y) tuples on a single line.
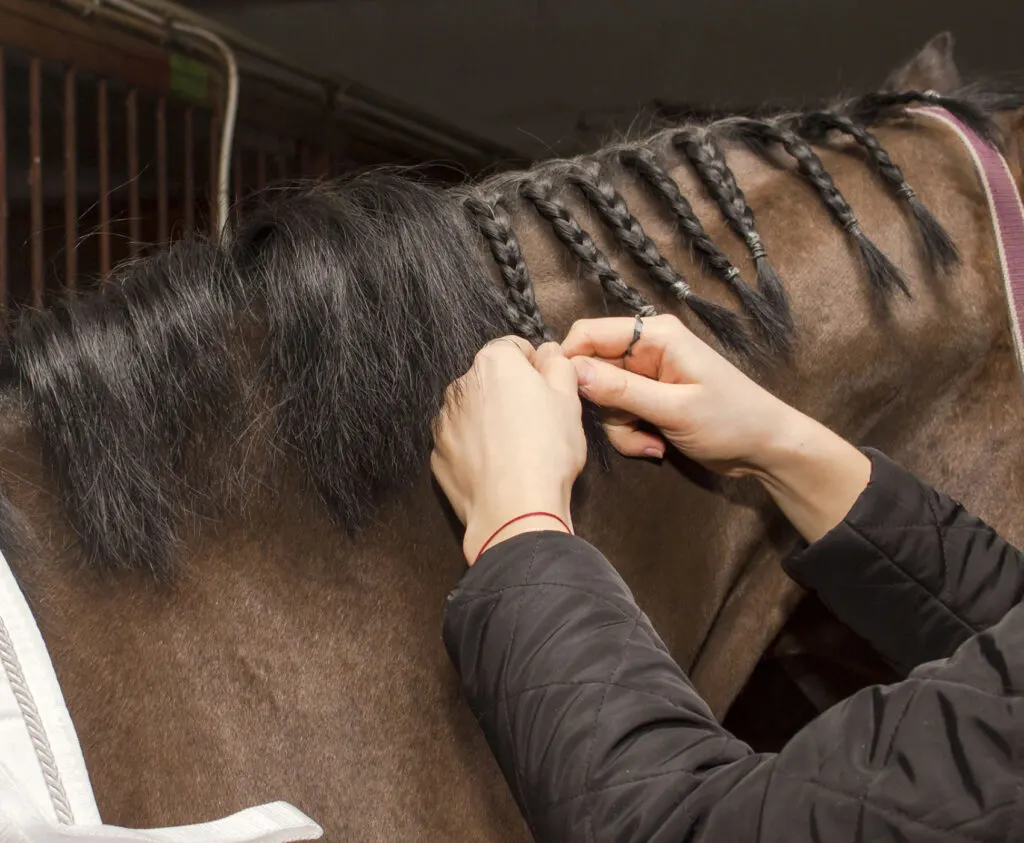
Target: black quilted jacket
[(601, 736)]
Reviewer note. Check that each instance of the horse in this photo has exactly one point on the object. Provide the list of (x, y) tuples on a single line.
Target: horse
[(216, 497)]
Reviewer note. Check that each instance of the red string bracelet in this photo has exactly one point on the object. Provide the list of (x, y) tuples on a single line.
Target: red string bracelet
[(512, 521)]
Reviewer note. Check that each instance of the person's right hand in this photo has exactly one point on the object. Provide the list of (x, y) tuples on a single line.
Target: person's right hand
[(714, 414), (701, 403)]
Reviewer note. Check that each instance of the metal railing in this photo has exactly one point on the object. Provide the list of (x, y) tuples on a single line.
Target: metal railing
[(110, 131)]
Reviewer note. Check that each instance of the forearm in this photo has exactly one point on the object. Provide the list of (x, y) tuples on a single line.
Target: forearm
[(584, 708), (814, 475), (910, 570)]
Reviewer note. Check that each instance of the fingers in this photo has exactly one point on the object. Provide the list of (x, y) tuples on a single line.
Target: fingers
[(556, 369), (631, 442), (504, 345), (609, 386), (609, 338)]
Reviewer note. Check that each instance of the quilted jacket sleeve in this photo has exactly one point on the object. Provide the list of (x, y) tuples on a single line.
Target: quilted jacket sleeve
[(911, 570), (601, 736), (594, 725)]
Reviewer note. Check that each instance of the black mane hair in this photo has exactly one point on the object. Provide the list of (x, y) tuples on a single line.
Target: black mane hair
[(365, 299), (329, 322)]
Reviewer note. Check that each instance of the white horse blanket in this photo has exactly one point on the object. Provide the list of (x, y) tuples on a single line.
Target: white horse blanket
[(45, 794)]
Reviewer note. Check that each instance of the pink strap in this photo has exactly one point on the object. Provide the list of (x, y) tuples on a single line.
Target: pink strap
[(1007, 214)]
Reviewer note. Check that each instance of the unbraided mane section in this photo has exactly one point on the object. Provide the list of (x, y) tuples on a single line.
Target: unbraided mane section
[(324, 330)]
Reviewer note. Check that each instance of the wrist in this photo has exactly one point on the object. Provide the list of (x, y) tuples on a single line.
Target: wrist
[(814, 475), (498, 521), (794, 440)]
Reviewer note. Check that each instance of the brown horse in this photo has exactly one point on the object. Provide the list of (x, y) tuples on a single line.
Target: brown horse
[(217, 501)]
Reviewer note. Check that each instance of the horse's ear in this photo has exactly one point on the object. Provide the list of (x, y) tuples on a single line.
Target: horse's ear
[(932, 69)]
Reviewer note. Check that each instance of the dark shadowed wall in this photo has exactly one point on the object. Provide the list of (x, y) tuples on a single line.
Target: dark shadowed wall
[(523, 71)]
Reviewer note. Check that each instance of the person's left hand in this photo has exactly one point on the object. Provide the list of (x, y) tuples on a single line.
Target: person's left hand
[(509, 441)]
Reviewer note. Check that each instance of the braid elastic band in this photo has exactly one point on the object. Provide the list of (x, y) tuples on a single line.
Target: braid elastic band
[(906, 191), (522, 517), (852, 225), (757, 249)]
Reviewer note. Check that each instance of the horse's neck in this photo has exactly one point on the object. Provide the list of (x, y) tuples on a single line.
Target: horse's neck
[(282, 661), (931, 380)]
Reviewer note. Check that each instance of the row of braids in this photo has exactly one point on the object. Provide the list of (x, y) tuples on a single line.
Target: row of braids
[(614, 212), (939, 249), (882, 273), (540, 193), (772, 318), (767, 305), (708, 161), (493, 222)]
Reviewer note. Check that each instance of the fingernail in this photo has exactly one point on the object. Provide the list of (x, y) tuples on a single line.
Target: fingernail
[(584, 371), (656, 453)]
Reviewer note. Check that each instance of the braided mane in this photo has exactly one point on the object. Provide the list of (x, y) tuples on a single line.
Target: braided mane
[(701, 146)]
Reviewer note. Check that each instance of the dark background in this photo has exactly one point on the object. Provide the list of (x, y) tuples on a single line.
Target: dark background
[(523, 72)]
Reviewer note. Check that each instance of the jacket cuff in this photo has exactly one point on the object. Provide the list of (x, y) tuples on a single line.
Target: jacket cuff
[(551, 554), (877, 577)]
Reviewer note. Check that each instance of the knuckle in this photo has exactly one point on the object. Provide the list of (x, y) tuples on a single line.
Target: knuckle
[(669, 323)]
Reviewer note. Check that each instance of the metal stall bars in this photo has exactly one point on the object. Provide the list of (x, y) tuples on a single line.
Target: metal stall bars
[(131, 110)]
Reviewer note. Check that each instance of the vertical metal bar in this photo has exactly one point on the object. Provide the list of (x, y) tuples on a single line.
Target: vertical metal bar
[(214, 170), (134, 205), (35, 84), (103, 165), (261, 165), (70, 181), (189, 187), (162, 233), (3, 187)]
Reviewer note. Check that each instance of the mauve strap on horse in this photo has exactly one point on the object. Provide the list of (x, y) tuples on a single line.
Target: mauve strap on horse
[(1007, 214)]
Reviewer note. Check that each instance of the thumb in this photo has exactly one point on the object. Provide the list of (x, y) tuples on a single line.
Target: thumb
[(556, 369), (615, 388)]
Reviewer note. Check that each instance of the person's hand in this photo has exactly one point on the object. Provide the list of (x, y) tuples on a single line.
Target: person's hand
[(509, 441), (713, 413), (700, 402)]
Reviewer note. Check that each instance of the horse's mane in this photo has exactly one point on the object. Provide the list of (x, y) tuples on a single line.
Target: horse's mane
[(329, 323)]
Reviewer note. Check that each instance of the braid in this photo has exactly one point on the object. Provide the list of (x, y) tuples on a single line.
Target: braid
[(883, 275), (707, 159), (611, 207), (774, 326), (569, 232), (939, 248), (493, 222)]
